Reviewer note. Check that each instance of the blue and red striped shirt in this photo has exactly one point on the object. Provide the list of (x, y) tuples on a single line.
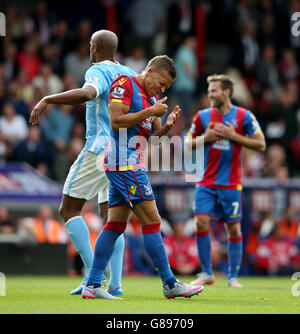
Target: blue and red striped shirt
[(126, 149), (222, 161)]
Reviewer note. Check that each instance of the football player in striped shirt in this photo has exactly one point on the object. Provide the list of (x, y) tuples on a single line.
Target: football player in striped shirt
[(224, 129), (134, 108)]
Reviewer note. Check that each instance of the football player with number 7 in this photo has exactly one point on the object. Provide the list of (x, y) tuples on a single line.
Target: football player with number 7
[(224, 129)]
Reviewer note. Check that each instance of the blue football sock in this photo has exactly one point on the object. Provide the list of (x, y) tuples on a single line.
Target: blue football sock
[(116, 263), (154, 246), (104, 248), (235, 253), (204, 251), (80, 236)]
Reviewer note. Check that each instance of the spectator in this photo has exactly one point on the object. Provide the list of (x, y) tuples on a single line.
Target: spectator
[(285, 116), (267, 223), (10, 63), (51, 54), (288, 67), (6, 225), (41, 21), (29, 60), (34, 151), (61, 37), (267, 73), (20, 25), (289, 224), (77, 62), (12, 126), (47, 80), (44, 228), (267, 29), (264, 107), (84, 32), (251, 245), (58, 126), (24, 89), (180, 23), (253, 163), (21, 107), (144, 18), (64, 159), (275, 158), (277, 255), (241, 92), (182, 251), (137, 60), (246, 51), (185, 84)]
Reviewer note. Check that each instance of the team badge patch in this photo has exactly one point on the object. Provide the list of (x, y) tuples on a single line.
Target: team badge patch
[(93, 78), (118, 92), (148, 189)]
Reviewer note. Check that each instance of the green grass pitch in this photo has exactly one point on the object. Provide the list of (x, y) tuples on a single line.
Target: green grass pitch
[(143, 295)]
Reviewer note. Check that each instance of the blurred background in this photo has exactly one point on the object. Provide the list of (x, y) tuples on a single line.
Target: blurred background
[(46, 51)]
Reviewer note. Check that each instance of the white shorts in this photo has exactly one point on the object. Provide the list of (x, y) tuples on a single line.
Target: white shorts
[(87, 178)]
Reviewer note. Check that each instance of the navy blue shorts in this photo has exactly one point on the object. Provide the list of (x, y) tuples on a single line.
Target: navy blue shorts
[(129, 187), (218, 203)]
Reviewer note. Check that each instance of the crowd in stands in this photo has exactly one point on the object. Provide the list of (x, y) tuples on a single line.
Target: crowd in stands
[(46, 51)]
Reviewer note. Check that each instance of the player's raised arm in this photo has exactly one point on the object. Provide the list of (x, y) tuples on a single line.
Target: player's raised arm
[(71, 97), (120, 118)]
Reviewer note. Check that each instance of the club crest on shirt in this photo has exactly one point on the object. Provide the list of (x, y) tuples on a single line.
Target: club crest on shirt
[(118, 92)]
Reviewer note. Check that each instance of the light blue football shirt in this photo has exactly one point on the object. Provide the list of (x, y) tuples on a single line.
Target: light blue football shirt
[(100, 76)]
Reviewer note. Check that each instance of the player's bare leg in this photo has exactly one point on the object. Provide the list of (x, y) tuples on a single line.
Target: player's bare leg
[(235, 251), (103, 210), (118, 214), (203, 245), (70, 207)]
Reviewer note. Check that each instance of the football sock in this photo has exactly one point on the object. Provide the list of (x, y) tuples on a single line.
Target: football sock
[(116, 263), (80, 236), (104, 248), (235, 253), (204, 249), (154, 246)]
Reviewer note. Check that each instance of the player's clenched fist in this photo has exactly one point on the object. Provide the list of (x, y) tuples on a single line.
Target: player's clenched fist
[(159, 108)]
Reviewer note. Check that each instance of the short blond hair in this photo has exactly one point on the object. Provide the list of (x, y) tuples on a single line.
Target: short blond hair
[(164, 62), (226, 81)]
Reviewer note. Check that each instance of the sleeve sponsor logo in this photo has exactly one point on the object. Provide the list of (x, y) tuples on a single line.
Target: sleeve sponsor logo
[(118, 92)]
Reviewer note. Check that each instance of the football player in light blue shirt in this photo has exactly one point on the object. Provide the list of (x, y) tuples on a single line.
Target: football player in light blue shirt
[(86, 177)]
